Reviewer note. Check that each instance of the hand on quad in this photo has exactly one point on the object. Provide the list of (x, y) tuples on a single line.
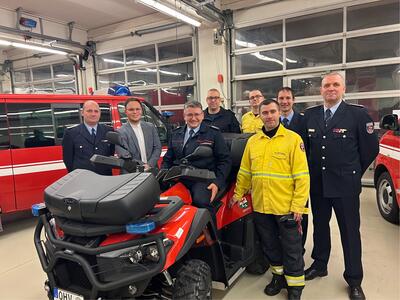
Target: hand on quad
[(233, 201), (214, 190)]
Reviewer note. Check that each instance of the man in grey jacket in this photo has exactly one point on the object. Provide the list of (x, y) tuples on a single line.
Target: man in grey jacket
[(139, 137)]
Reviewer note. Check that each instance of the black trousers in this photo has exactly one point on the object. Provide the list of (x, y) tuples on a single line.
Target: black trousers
[(201, 196), (347, 211), (282, 243)]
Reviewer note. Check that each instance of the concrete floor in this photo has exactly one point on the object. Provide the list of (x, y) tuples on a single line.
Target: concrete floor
[(21, 276)]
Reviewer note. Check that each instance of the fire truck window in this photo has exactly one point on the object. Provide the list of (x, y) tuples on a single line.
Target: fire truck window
[(156, 120), (30, 125), (65, 117), (105, 117), (4, 136)]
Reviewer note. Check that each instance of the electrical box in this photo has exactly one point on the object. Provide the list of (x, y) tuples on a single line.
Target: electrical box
[(217, 36)]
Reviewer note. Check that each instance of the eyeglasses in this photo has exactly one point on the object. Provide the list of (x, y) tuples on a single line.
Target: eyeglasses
[(197, 115), (255, 97), (213, 98)]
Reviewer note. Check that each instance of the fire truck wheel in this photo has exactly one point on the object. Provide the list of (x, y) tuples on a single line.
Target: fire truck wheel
[(386, 198), (193, 281)]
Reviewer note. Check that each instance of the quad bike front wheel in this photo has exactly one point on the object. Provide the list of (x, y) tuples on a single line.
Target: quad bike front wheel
[(193, 281)]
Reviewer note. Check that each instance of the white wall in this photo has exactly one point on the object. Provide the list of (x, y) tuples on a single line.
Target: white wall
[(212, 61)]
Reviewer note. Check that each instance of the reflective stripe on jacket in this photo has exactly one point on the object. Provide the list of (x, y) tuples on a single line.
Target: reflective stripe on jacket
[(276, 171)]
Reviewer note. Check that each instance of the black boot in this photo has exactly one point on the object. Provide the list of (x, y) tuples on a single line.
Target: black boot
[(294, 292), (277, 283)]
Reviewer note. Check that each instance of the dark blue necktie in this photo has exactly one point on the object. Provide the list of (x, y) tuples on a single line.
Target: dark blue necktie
[(93, 135), (285, 122), (328, 116)]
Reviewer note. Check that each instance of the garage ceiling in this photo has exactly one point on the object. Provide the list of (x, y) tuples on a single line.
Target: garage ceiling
[(87, 14)]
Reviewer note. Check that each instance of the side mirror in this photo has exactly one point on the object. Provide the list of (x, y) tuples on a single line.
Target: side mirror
[(114, 138), (390, 122)]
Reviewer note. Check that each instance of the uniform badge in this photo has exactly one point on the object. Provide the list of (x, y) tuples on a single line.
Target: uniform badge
[(370, 127), (311, 130), (339, 130), (302, 147)]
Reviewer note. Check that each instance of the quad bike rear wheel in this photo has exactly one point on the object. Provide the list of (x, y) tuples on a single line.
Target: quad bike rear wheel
[(193, 281)]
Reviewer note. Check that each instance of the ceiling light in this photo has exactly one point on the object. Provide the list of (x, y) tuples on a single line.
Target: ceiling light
[(170, 11), (32, 47)]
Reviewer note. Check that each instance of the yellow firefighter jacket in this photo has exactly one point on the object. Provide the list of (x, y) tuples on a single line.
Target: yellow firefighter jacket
[(251, 123), (276, 171)]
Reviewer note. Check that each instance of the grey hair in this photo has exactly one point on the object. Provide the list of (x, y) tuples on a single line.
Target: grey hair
[(333, 73), (193, 104)]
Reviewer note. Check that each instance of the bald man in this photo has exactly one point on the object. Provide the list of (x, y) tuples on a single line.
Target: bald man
[(82, 141)]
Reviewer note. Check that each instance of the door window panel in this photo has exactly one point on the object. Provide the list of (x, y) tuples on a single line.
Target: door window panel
[(269, 86), (140, 56), (30, 125), (314, 55), (311, 25), (41, 73), (175, 73), (175, 49), (257, 62), (110, 60), (373, 46), (176, 95), (306, 86), (107, 80), (142, 77), (258, 35), (369, 79), (379, 13)]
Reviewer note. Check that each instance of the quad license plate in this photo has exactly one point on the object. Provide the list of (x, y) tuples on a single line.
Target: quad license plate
[(60, 294)]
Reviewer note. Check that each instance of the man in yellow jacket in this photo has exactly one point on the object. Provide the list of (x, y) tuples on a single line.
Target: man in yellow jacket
[(274, 166), (251, 121)]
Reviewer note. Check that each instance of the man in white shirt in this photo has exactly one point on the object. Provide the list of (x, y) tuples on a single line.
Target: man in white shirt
[(133, 133)]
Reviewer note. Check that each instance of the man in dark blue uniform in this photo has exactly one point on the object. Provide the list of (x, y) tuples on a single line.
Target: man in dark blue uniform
[(341, 146), (294, 121), (187, 138), (82, 141), (215, 115)]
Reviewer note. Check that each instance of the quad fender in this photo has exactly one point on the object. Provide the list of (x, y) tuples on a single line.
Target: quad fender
[(200, 221)]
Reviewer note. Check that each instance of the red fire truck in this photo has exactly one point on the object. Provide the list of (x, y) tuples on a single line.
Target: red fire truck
[(31, 131), (387, 174)]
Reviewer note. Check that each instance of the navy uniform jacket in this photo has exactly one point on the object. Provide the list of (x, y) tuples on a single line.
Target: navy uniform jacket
[(225, 120), (78, 148), (340, 153), (298, 125), (220, 162)]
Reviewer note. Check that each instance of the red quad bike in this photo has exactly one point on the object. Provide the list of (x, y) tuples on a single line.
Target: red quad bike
[(120, 237)]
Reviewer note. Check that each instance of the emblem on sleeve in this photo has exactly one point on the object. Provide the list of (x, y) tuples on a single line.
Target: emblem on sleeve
[(370, 127), (302, 147)]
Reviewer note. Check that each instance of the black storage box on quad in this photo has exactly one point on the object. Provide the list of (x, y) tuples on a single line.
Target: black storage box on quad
[(85, 196)]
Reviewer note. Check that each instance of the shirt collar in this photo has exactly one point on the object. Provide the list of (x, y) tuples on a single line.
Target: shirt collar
[(89, 128), (333, 108), (194, 129), (289, 117)]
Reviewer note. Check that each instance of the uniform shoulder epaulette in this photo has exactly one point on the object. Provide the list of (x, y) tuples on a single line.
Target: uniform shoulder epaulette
[(314, 106), (215, 127), (356, 105)]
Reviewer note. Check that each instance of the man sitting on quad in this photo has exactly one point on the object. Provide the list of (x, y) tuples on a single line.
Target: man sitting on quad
[(185, 140)]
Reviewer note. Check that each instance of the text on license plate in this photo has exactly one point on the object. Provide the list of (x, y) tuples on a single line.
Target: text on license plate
[(60, 294)]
